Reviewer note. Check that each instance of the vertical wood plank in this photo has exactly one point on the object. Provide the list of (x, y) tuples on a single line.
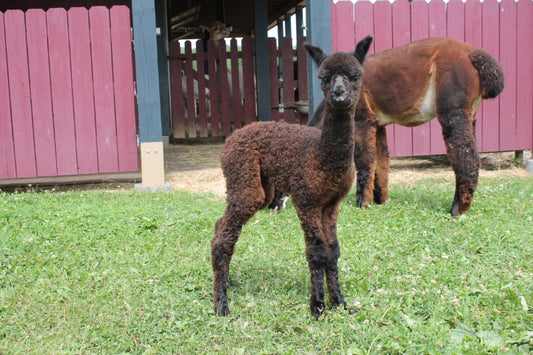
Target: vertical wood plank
[(235, 85), (216, 118), (401, 32), (420, 30), (7, 151), (202, 99), (437, 28), (364, 22), (103, 89), (82, 90), (508, 48), (474, 36), (61, 82), (383, 41), (123, 88), (190, 90), (344, 34), (289, 84), (302, 75), (524, 84), (176, 90), (491, 42), (455, 22), (248, 81), (19, 88), (222, 79), (41, 98), (274, 79)]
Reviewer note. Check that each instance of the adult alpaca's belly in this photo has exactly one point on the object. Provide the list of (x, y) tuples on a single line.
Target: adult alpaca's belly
[(421, 111)]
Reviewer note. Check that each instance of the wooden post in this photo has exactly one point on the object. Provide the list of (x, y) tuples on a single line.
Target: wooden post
[(318, 18), (262, 60), (148, 95)]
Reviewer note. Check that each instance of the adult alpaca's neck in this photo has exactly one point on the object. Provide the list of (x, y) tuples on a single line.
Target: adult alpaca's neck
[(337, 139)]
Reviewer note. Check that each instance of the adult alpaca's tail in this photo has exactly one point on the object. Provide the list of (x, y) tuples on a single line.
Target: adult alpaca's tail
[(490, 72)]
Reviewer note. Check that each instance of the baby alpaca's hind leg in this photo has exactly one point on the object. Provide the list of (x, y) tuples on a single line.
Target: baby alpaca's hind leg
[(244, 200)]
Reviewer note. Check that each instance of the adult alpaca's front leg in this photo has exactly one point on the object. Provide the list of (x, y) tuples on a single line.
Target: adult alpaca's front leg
[(463, 155), (381, 182), (365, 159)]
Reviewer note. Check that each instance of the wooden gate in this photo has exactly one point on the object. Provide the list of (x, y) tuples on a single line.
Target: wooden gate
[(213, 87), (503, 28), (66, 92)]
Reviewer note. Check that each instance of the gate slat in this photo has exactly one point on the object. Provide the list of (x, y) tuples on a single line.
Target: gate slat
[(214, 92), (222, 79), (123, 88), (274, 79), (248, 80), (401, 32), (491, 42), (524, 101), (82, 90), (235, 85), (302, 75), (176, 80), (437, 28), (202, 100), (289, 84), (420, 30), (19, 88), (473, 35), (7, 151), (103, 89), (41, 98), (191, 99)]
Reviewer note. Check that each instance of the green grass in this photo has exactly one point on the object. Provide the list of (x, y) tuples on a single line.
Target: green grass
[(129, 272)]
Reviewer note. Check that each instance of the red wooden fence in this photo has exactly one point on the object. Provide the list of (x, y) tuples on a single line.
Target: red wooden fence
[(503, 28), (66, 92), (213, 97), (212, 91)]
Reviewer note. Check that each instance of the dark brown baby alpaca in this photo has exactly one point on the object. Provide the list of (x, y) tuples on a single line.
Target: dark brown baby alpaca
[(315, 167)]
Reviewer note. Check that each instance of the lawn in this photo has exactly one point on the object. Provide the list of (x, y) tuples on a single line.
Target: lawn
[(128, 272)]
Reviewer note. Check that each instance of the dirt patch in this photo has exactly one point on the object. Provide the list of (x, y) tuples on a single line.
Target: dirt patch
[(197, 168)]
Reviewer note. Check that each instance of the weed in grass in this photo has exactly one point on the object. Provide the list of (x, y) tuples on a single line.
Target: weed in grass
[(97, 272)]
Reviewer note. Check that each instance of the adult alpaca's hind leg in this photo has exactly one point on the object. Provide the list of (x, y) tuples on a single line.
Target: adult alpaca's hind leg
[(460, 139), (381, 182)]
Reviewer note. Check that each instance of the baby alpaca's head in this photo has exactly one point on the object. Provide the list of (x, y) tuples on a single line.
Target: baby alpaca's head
[(340, 73)]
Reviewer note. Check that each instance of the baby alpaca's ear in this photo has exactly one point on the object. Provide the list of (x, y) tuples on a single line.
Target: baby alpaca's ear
[(362, 48), (315, 52)]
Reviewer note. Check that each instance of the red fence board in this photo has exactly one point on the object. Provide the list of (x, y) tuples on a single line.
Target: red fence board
[(41, 96), (504, 28), (19, 89), (66, 92), (82, 90), (7, 147), (123, 88)]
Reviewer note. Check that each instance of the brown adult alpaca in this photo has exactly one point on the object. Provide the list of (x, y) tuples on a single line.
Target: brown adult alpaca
[(315, 167), (409, 86)]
